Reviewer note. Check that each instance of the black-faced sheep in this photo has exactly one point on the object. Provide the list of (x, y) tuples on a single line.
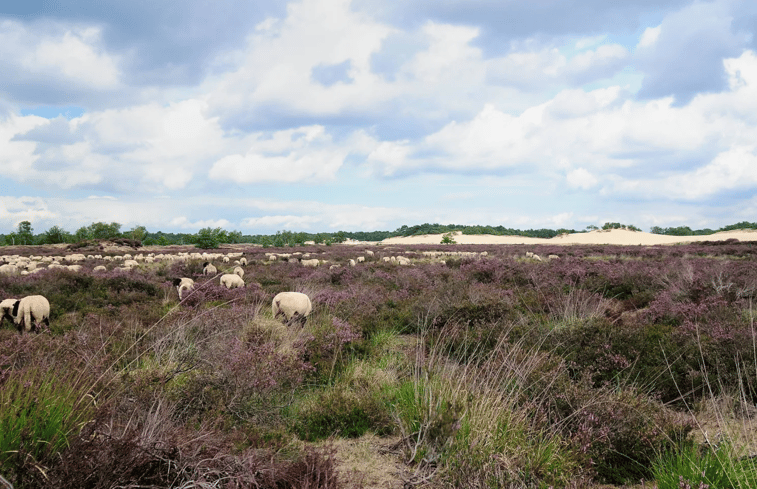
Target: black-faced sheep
[(238, 271), (243, 261), (232, 281), (6, 308), (209, 269), (30, 312), (183, 284), (294, 306)]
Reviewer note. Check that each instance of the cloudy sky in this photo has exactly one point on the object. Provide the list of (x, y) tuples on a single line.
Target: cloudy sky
[(327, 115)]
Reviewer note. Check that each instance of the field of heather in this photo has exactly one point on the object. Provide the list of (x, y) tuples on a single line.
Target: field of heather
[(469, 366)]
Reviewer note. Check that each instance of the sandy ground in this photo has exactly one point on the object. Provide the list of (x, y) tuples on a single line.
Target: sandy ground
[(613, 237)]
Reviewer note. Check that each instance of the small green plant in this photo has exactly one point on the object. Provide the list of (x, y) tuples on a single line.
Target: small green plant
[(708, 466), (448, 238)]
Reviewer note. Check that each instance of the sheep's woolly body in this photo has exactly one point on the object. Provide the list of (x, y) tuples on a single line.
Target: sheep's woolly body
[(294, 306), (209, 269), (239, 271), (232, 281), (182, 285), (6, 308), (30, 312)]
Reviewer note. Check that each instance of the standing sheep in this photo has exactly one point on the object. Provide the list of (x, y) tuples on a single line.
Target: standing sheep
[(294, 306), (232, 281), (183, 284), (209, 269), (238, 271), (243, 261), (30, 312)]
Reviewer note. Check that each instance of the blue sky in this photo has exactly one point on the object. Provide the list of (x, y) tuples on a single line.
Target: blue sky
[(327, 115)]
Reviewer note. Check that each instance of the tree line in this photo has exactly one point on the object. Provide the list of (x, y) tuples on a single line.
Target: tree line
[(208, 238)]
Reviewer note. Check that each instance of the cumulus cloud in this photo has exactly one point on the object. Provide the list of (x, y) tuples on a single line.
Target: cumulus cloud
[(55, 62), (305, 154), (683, 56)]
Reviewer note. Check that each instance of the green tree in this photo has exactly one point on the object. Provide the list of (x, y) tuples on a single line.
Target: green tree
[(138, 233), (448, 238), (24, 234), (101, 230), (209, 238), (235, 237), (56, 235), (82, 234)]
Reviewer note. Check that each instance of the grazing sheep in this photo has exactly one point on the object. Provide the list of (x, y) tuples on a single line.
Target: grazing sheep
[(183, 284), (243, 261), (30, 312), (553, 257), (360, 259), (369, 252), (403, 260), (131, 263), (294, 306), (74, 268), (226, 259), (352, 262), (6, 308), (238, 271), (99, 268), (232, 281), (209, 269), (8, 269), (310, 263)]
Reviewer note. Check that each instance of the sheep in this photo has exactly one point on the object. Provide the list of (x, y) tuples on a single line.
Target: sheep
[(352, 262), (403, 260), (553, 257), (74, 268), (8, 269), (209, 269), (99, 268), (239, 271), (232, 281), (6, 308), (30, 312), (310, 263), (183, 284), (243, 261), (226, 259), (360, 259), (294, 306)]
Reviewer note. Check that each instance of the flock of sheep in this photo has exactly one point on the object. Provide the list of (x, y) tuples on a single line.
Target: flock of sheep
[(30, 313)]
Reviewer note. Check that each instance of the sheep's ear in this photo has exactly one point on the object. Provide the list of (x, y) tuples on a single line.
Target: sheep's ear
[(15, 307)]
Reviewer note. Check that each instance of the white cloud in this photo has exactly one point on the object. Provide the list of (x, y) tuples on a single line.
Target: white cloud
[(68, 54), (649, 37), (306, 154), (184, 223), (581, 178)]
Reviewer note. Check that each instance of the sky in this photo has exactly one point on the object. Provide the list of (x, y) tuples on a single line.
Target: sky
[(363, 115)]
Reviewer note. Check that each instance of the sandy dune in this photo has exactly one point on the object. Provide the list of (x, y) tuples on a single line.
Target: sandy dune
[(613, 236)]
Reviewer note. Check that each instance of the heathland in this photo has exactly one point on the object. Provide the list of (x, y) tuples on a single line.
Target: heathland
[(471, 365)]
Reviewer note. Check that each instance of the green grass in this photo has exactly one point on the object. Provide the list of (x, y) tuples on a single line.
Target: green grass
[(714, 467), (39, 412)]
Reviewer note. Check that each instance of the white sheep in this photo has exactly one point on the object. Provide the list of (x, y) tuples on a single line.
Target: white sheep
[(294, 306), (243, 261), (209, 269), (8, 269), (6, 308), (238, 271), (183, 284), (553, 257), (99, 268), (226, 259), (232, 281), (352, 262), (30, 312), (310, 263), (360, 259)]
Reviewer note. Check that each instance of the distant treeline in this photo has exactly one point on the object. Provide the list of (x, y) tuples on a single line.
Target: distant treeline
[(213, 237)]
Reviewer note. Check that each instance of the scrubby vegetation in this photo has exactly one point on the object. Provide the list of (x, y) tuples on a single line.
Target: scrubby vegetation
[(478, 368)]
